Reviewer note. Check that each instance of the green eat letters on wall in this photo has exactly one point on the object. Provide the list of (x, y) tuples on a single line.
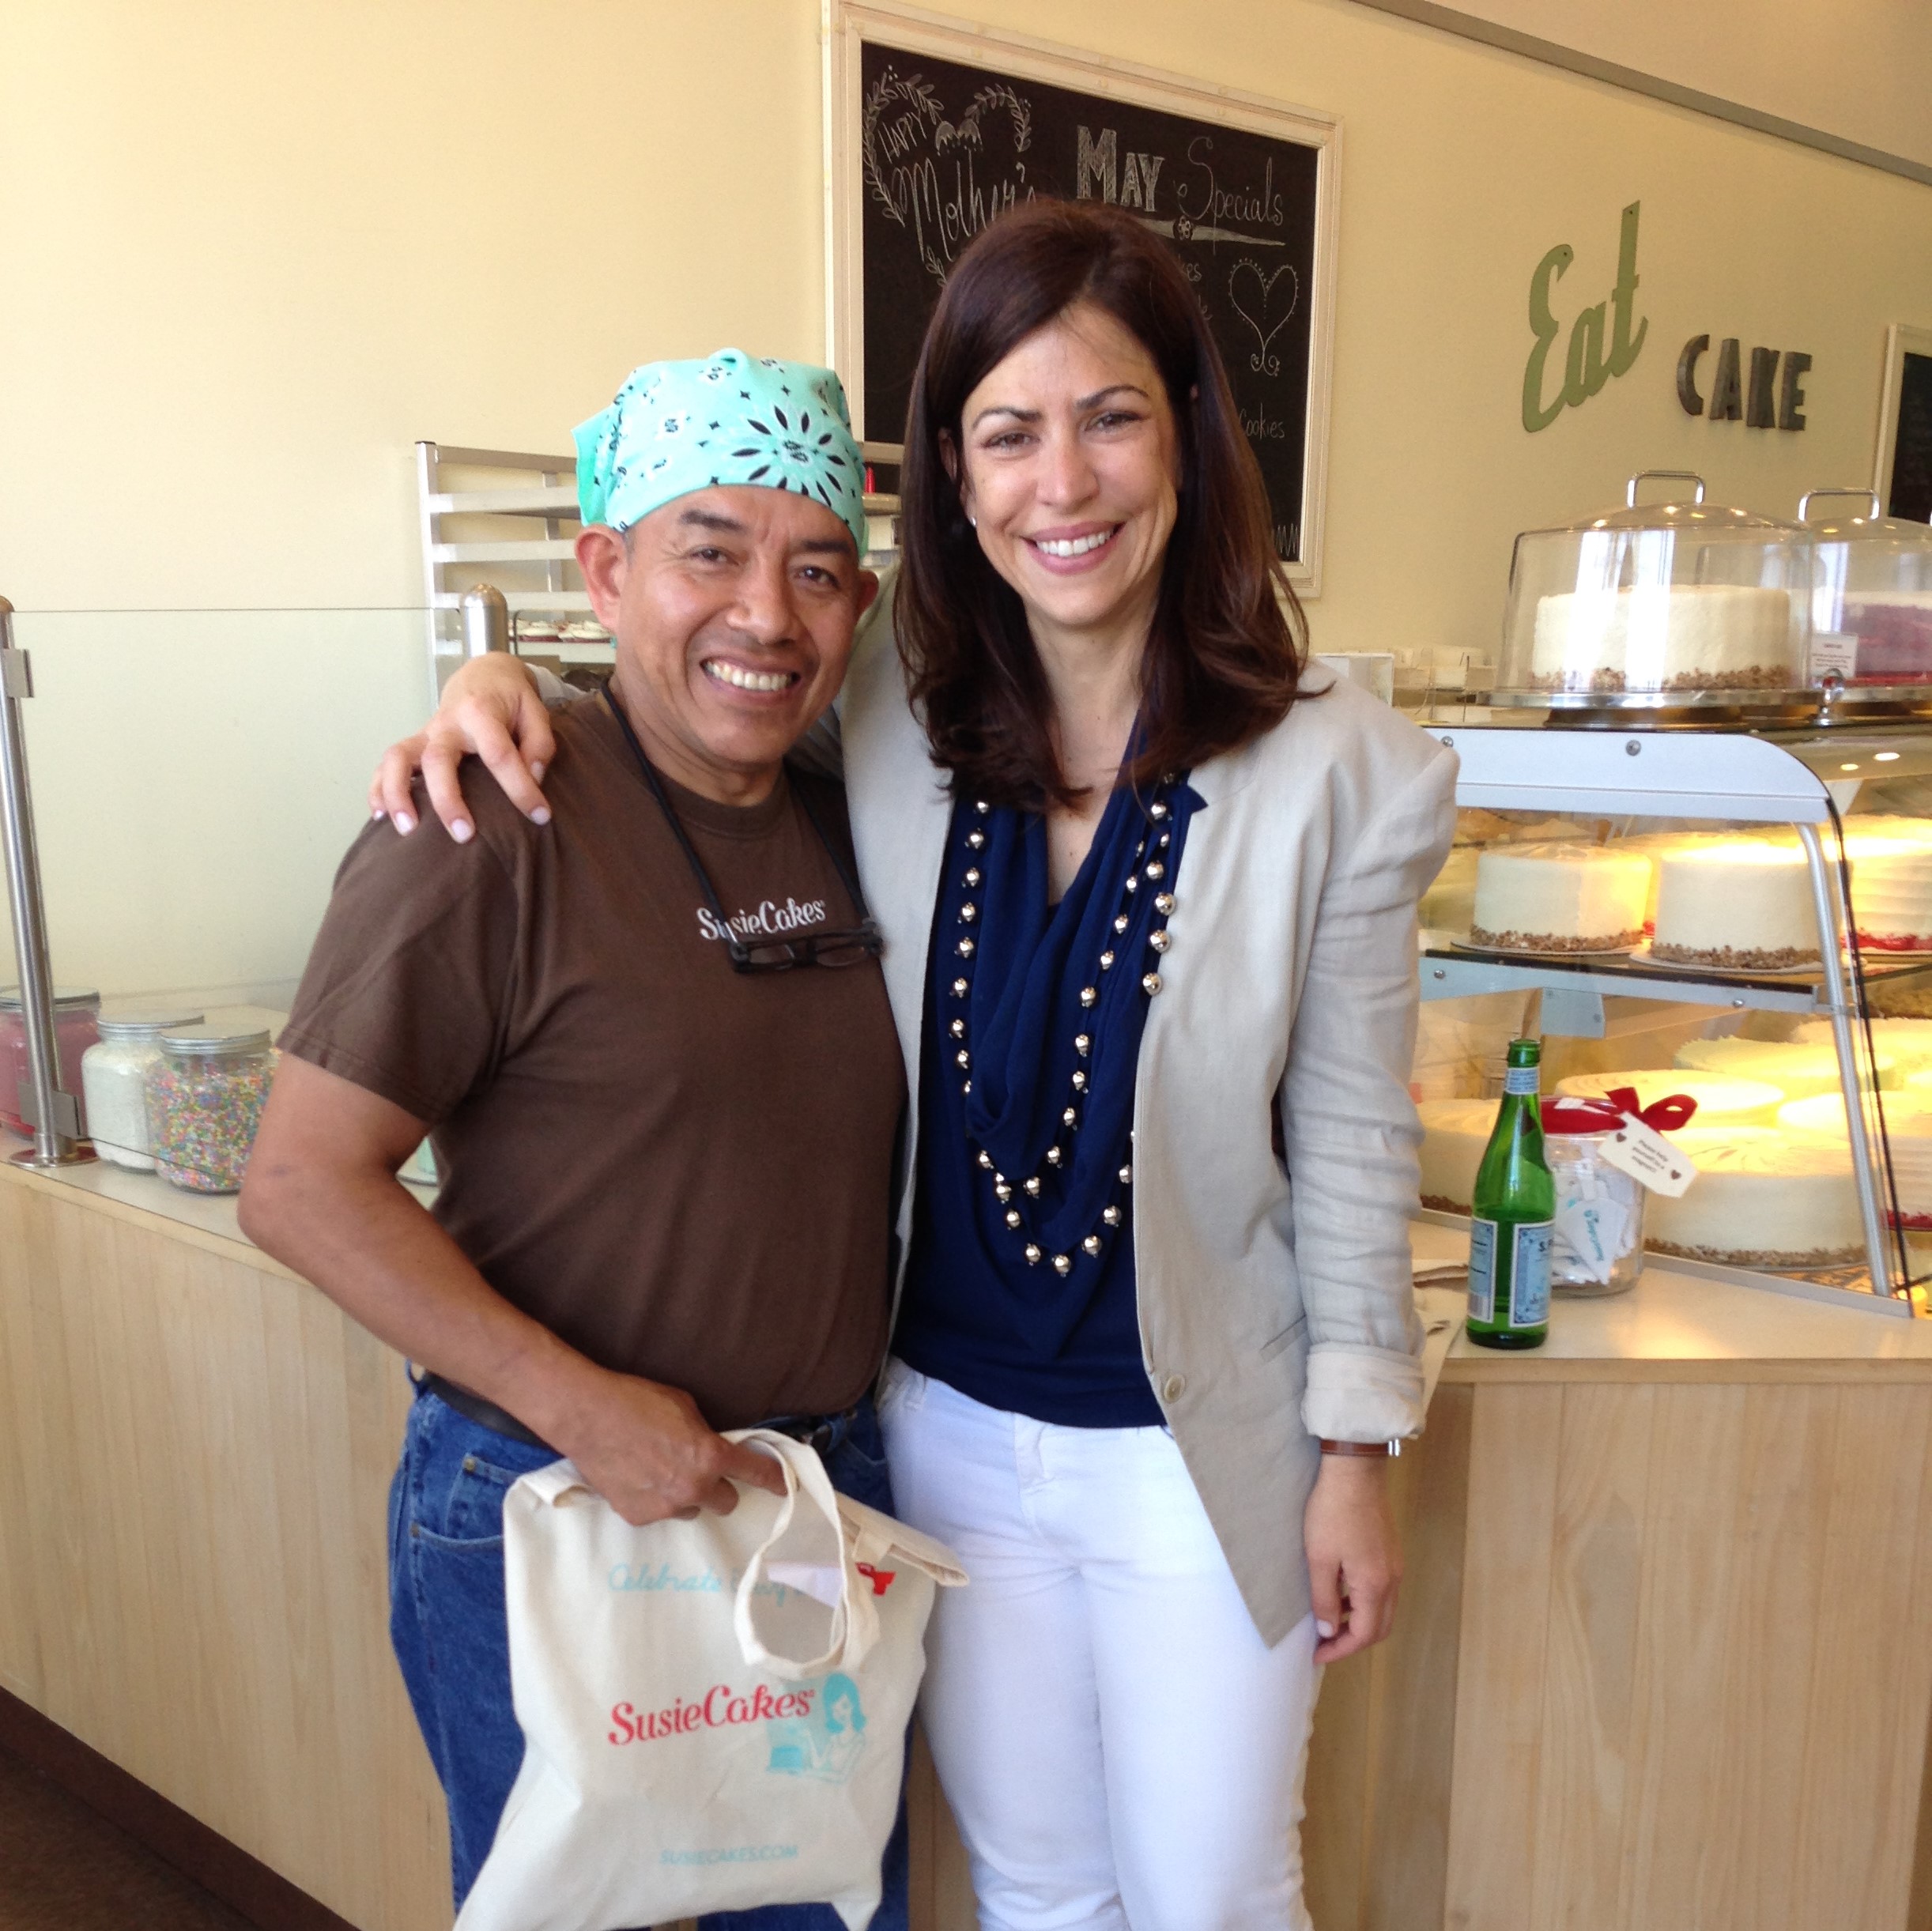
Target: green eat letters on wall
[(1588, 366)]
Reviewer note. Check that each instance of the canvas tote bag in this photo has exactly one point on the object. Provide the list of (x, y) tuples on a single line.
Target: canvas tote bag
[(714, 1712)]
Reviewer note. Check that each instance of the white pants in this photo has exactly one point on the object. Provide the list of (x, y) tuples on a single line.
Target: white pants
[(1119, 1746)]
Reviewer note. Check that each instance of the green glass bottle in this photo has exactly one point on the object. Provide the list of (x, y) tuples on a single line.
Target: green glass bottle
[(1515, 1206)]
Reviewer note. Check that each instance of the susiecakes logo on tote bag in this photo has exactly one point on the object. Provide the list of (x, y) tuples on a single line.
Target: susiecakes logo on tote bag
[(714, 1712)]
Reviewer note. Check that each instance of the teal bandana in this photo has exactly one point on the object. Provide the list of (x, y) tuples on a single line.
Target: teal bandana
[(676, 426)]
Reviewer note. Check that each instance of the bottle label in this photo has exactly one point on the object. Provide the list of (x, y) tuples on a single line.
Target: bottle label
[(1482, 1270), (1529, 1284), (1521, 1079)]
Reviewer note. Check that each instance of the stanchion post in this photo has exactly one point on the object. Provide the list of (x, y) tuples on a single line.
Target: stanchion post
[(56, 1115), (486, 620)]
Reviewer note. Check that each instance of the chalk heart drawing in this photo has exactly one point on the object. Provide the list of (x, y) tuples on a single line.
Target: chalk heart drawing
[(943, 177), (1265, 304)]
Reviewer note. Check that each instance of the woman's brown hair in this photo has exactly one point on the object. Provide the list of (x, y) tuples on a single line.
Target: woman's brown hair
[(1228, 637)]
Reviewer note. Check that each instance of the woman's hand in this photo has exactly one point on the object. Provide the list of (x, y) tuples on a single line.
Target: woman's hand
[(1355, 1556), (490, 707)]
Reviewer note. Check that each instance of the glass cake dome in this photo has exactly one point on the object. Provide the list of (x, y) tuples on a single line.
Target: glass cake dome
[(1674, 602), (1871, 601)]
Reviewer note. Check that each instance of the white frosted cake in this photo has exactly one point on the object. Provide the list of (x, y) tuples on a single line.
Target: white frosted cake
[(1797, 1070), (1722, 1099), (1657, 846), (1742, 903), (1665, 637), (1455, 1133), (1562, 898), (1891, 882), (1906, 1041), (1908, 1135), (1762, 1198)]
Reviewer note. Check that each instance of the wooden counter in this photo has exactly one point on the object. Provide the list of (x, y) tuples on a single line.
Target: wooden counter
[(1663, 1661), (195, 1450)]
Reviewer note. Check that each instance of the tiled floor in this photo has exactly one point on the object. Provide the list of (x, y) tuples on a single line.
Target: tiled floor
[(62, 1867)]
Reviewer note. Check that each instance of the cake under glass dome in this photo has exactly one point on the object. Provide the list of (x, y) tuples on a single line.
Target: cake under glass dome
[(1679, 601), (1871, 604)]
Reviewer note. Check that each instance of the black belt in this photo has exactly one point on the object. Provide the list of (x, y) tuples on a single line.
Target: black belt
[(486, 1414), (822, 1432)]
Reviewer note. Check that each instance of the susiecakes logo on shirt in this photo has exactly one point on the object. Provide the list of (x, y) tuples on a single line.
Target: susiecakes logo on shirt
[(770, 920)]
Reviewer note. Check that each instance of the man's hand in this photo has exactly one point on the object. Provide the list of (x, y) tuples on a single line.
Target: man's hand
[(1355, 1557), (648, 1451), (322, 1195), (490, 709)]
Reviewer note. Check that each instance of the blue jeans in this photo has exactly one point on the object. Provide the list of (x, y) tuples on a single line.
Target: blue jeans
[(448, 1621)]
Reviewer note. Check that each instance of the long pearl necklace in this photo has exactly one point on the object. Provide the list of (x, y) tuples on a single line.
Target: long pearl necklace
[(1154, 873)]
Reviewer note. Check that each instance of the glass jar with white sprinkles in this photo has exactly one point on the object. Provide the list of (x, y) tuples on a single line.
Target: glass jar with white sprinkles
[(114, 1080)]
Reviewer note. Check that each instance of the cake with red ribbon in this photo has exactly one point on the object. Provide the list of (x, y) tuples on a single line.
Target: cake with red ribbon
[(1891, 882)]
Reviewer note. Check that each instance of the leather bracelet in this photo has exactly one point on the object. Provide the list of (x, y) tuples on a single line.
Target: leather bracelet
[(1381, 1451)]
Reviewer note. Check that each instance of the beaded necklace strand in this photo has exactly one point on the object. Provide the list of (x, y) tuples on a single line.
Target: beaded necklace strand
[(1158, 941)]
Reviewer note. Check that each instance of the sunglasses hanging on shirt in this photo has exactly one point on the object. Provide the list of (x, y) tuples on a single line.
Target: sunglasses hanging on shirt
[(849, 946)]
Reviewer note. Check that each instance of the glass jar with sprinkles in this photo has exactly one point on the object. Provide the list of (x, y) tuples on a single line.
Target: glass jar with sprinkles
[(74, 1012), (205, 1096), (114, 1078)]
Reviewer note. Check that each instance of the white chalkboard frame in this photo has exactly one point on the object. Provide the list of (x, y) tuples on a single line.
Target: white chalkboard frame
[(1901, 340), (848, 23)]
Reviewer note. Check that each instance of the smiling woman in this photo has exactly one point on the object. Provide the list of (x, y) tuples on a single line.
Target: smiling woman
[(1099, 465)]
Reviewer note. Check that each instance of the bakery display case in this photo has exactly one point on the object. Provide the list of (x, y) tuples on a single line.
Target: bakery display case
[(1742, 918)]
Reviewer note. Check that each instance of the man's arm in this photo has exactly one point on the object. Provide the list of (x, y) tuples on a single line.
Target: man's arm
[(321, 1196)]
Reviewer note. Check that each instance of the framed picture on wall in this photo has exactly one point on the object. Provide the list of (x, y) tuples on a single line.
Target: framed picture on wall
[(1903, 475), (932, 129)]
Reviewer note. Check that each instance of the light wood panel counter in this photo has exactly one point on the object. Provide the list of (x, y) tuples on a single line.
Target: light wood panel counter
[(1661, 1661), (1664, 1661), (195, 1450)]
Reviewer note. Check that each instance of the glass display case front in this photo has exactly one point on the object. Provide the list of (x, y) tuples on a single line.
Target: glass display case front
[(1705, 959)]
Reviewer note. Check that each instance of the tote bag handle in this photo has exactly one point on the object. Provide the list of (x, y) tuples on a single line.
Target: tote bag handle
[(855, 1621)]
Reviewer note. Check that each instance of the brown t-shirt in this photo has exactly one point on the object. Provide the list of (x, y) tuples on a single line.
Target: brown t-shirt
[(682, 1171)]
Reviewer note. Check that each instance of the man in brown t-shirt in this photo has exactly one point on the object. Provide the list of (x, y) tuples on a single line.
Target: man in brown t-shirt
[(666, 1204)]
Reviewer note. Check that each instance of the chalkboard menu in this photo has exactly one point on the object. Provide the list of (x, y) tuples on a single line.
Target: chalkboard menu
[(1911, 450), (943, 146)]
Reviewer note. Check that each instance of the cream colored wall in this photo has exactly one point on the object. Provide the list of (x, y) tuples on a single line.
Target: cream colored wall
[(252, 251)]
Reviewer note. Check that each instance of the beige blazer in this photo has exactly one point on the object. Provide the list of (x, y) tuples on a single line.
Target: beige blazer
[(1275, 1302)]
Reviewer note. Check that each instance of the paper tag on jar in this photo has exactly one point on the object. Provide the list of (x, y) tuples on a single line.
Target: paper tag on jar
[(1647, 1157)]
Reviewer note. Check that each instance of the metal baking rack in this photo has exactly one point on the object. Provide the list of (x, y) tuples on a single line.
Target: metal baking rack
[(464, 541), (1776, 778)]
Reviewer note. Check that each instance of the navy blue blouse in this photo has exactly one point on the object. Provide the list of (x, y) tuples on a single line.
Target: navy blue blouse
[(1016, 987)]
